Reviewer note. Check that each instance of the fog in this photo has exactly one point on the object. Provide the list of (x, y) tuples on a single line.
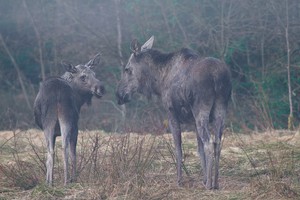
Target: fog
[(250, 36)]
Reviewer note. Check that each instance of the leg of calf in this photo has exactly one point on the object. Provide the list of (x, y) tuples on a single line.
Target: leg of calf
[(50, 140), (73, 143), (65, 134)]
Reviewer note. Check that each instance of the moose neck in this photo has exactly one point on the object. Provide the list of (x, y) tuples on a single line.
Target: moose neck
[(159, 64), (81, 97)]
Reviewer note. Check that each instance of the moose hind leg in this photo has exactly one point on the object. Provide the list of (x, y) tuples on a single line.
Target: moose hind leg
[(203, 133), (202, 157), (50, 140), (218, 126), (73, 143), (65, 134)]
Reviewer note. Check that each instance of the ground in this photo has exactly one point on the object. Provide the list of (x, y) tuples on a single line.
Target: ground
[(142, 166)]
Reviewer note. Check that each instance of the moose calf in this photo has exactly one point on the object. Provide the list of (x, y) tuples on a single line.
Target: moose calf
[(57, 107)]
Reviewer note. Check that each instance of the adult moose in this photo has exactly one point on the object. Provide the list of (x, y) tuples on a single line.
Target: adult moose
[(57, 107), (192, 89)]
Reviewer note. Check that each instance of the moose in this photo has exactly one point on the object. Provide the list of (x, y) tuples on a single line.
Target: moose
[(192, 89), (56, 111)]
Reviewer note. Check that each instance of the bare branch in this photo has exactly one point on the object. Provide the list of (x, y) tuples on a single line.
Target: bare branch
[(39, 40), (19, 73), (119, 39)]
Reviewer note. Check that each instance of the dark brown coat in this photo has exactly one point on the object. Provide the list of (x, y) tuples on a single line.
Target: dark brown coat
[(192, 89), (57, 107)]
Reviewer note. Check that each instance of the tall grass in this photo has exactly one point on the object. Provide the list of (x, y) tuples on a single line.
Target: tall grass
[(131, 166), (274, 168)]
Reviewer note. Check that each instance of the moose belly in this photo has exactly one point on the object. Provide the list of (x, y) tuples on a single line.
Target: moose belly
[(183, 113), (179, 100)]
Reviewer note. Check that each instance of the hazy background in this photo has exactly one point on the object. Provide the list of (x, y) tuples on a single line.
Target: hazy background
[(252, 37)]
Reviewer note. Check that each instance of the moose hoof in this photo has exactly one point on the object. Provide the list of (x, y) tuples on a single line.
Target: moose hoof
[(216, 186), (208, 185), (180, 184)]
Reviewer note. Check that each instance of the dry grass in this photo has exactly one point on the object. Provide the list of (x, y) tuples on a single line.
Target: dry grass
[(131, 166)]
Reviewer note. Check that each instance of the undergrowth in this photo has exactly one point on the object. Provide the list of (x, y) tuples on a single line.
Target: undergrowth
[(131, 166)]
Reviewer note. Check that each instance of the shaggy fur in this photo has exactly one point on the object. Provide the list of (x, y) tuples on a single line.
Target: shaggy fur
[(57, 107), (193, 90)]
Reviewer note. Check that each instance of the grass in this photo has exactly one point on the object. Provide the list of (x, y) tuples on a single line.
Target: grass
[(131, 166)]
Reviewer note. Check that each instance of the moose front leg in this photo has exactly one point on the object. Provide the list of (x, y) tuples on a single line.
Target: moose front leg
[(176, 132)]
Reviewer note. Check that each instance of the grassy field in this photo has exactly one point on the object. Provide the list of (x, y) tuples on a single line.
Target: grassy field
[(131, 166)]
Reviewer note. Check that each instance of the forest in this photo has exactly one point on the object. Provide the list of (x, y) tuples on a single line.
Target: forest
[(259, 40)]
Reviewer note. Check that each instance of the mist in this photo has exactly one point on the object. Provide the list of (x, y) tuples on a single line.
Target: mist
[(257, 39)]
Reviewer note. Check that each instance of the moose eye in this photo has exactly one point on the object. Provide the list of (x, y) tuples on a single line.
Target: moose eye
[(128, 70)]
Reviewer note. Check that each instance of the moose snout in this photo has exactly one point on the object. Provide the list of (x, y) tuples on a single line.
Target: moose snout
[(98, 90)]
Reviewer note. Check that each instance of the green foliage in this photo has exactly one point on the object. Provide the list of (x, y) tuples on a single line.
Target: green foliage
[(248, 35)]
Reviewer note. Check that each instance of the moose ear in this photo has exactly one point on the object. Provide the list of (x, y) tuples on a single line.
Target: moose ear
[(148, 44), (135, 46), (94, 61), (69, 67)]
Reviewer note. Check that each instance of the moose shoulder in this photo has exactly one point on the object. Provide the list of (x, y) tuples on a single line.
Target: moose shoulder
[(192, 89)]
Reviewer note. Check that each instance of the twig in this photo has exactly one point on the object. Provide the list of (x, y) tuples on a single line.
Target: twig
[(18, 72), (38, 36)]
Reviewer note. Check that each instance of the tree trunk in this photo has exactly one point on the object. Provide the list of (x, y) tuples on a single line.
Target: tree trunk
[(290, 118), (119, 43)]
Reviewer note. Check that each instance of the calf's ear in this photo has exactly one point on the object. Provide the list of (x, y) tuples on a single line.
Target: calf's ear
[(94, 61), (69, 67), (135, 46), (148, 44)]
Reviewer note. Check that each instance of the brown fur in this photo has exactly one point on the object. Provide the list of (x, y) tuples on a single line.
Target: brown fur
[(57, 107), (193, 90)]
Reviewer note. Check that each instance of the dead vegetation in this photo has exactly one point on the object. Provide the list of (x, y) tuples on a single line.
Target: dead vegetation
[(131, 166)]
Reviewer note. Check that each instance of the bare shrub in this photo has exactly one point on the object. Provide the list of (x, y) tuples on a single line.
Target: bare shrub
[(20, 174), (132, 166), (117, 164), (19, 171), (273, 169), (277, 172)]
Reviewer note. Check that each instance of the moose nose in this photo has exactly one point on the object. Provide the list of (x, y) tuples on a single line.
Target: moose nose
[(99, 90)]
